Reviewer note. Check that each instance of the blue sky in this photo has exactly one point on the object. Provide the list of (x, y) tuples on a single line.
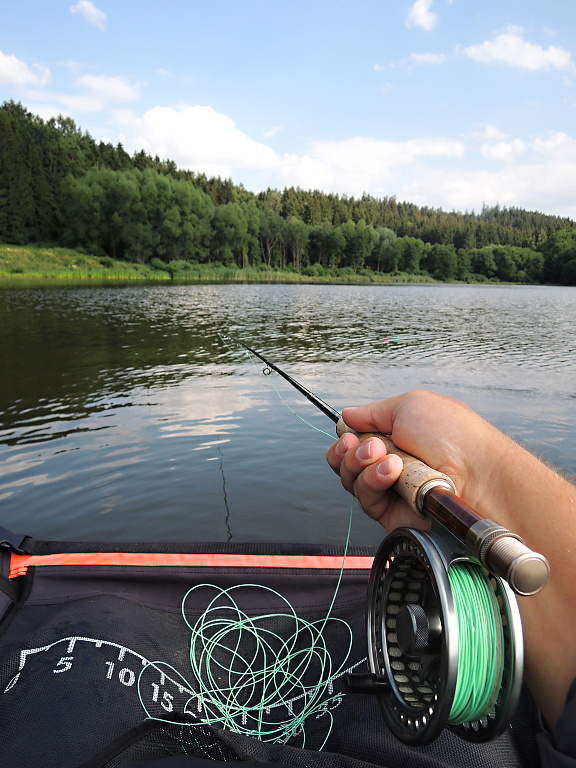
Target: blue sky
[(444, 103)]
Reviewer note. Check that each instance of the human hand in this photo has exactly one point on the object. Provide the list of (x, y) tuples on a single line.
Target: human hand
[(439, 430)]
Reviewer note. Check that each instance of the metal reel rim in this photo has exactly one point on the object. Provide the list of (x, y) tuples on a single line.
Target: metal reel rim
[(405, 722)]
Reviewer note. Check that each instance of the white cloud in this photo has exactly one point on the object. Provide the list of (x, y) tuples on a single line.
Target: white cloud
[(306, 172), (88, 11), (104, 90), (503, 150), (422, 16), (273, 131), (425, 59), (361, 164), (202, 139), (98, 93), (428, 58), (490, 133), (511, 48), (383, 155), (13, 71), (535, 175), (198, 138), (557, 146)]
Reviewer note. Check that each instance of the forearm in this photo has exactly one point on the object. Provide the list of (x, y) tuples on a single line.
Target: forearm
[(533, 501)]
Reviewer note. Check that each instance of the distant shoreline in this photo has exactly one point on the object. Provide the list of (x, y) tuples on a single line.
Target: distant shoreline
[(40, 265)]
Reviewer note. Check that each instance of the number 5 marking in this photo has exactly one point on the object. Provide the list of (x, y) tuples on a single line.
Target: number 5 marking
[(65, 663)]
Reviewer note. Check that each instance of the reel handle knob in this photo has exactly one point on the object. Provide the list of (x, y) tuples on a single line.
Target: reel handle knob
[(417, 629)]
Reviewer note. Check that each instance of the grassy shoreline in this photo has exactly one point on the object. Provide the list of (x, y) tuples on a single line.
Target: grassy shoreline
[(32, 263)]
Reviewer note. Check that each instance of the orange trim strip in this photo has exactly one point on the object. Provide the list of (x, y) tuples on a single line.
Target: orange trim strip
[(19, 563)]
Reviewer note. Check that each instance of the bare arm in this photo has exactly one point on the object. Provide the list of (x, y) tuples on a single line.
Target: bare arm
[(499, 479)]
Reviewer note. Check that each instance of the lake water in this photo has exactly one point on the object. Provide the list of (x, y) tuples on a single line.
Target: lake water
[(125, 416)]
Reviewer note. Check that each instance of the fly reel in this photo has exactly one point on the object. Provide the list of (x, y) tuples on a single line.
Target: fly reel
[(444, 641)]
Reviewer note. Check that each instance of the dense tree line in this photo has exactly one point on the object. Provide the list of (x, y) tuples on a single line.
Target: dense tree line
[(59, 186)]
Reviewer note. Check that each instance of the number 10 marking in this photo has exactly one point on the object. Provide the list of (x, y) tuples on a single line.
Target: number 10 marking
[(126, 676)]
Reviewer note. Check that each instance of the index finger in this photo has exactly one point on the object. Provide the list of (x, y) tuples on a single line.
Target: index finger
[(373, 417)]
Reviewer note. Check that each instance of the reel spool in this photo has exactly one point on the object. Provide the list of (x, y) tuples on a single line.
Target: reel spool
[(428, 611)]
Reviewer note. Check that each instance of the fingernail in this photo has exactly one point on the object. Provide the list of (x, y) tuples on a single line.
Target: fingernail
[(365, 450), (341, 447), (384, 468)]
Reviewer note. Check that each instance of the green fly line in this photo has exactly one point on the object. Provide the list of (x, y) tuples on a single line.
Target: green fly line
[(480, 643), (263, 675), (250, 678)]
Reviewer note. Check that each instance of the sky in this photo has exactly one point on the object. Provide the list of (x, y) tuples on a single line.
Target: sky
[(450, 104)]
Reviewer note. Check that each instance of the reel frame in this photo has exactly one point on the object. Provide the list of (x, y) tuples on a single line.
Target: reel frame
[(417, 673)]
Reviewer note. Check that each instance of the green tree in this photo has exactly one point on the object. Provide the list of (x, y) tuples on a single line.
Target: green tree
[(360, 241), (530, 264), (568, 273), (384, 256), (137, 215), (326, 245), (194, 222), (559, 249), (482, 261), (249, 242), (297, 235), (230, 228), (412, 250), (463, 264), (444, 262), (506, 268), (270, 234)]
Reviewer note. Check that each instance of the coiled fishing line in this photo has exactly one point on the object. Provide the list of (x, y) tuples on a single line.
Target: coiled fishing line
[(254, 680), (480, 641), (262, 675)]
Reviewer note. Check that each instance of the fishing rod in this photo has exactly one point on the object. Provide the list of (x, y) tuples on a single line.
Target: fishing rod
[(432, 494), (443, 627)]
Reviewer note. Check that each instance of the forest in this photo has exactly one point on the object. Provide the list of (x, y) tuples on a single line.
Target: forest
[(60, 187)]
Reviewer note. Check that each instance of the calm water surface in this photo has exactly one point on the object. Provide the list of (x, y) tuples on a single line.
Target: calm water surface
[(124, 416)]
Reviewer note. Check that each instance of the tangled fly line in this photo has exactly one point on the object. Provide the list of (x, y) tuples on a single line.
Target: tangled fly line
[(480, 642), (261, 675)]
